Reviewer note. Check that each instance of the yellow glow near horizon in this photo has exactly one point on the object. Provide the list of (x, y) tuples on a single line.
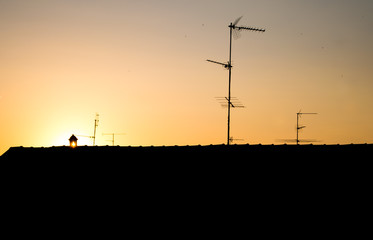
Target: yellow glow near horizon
[(142, 66)]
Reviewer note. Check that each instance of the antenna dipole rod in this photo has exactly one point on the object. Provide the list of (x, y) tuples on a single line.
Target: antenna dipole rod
[(215, 62), (226, 65)]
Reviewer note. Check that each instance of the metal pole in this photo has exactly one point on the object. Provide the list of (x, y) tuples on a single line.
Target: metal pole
[(297, 128), (300, 114), (94, 133), (229, 87)]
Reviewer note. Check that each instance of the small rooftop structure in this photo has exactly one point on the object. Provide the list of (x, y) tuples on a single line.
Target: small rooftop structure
[(73, 141)]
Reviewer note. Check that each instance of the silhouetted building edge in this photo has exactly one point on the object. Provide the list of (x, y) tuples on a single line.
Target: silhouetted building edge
[(223, 152)]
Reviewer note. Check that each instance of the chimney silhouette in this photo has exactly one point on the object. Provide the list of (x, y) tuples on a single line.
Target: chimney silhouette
[(73, 141)]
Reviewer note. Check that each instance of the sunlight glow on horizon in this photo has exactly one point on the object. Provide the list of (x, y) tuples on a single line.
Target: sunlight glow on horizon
[(142, 66)]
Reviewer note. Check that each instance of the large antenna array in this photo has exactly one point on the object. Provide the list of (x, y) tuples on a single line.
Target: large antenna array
[(235, 30)]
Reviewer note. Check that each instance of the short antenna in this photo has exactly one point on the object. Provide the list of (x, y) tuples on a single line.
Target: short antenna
[(113, 136), (299, 114), (94, 131)]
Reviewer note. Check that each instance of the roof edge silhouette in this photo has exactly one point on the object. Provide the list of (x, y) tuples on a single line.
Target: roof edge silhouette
[(241, 151)]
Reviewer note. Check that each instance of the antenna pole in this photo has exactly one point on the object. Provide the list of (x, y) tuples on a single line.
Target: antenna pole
[(299, 114), (297, 128), (94, 132), (229, 87)]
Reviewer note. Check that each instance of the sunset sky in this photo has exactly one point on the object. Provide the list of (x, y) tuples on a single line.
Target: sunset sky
[(142, 66)]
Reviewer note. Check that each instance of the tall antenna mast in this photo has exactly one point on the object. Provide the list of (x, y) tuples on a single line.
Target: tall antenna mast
[(236, 31), (299, 114), (96, 125)]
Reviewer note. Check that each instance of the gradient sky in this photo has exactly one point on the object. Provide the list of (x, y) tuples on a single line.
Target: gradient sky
[(142, 66)]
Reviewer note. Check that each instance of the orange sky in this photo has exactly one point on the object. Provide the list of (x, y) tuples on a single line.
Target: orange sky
[(141, 66)]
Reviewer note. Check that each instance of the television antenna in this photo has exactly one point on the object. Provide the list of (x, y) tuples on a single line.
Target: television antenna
[(94, 131), (299, 115), (235, 30), (96, 125), (113, 135), (297, 140)]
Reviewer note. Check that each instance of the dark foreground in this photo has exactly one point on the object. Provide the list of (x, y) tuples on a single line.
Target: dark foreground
[(234, 167), (192, 153), (216, 190), (210, 159)]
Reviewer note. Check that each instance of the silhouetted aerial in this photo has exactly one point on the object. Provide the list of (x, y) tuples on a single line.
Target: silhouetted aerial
[(233, 28)]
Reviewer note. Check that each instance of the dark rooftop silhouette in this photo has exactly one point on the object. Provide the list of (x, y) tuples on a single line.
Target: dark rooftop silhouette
[(208, 152), (236, 177)]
